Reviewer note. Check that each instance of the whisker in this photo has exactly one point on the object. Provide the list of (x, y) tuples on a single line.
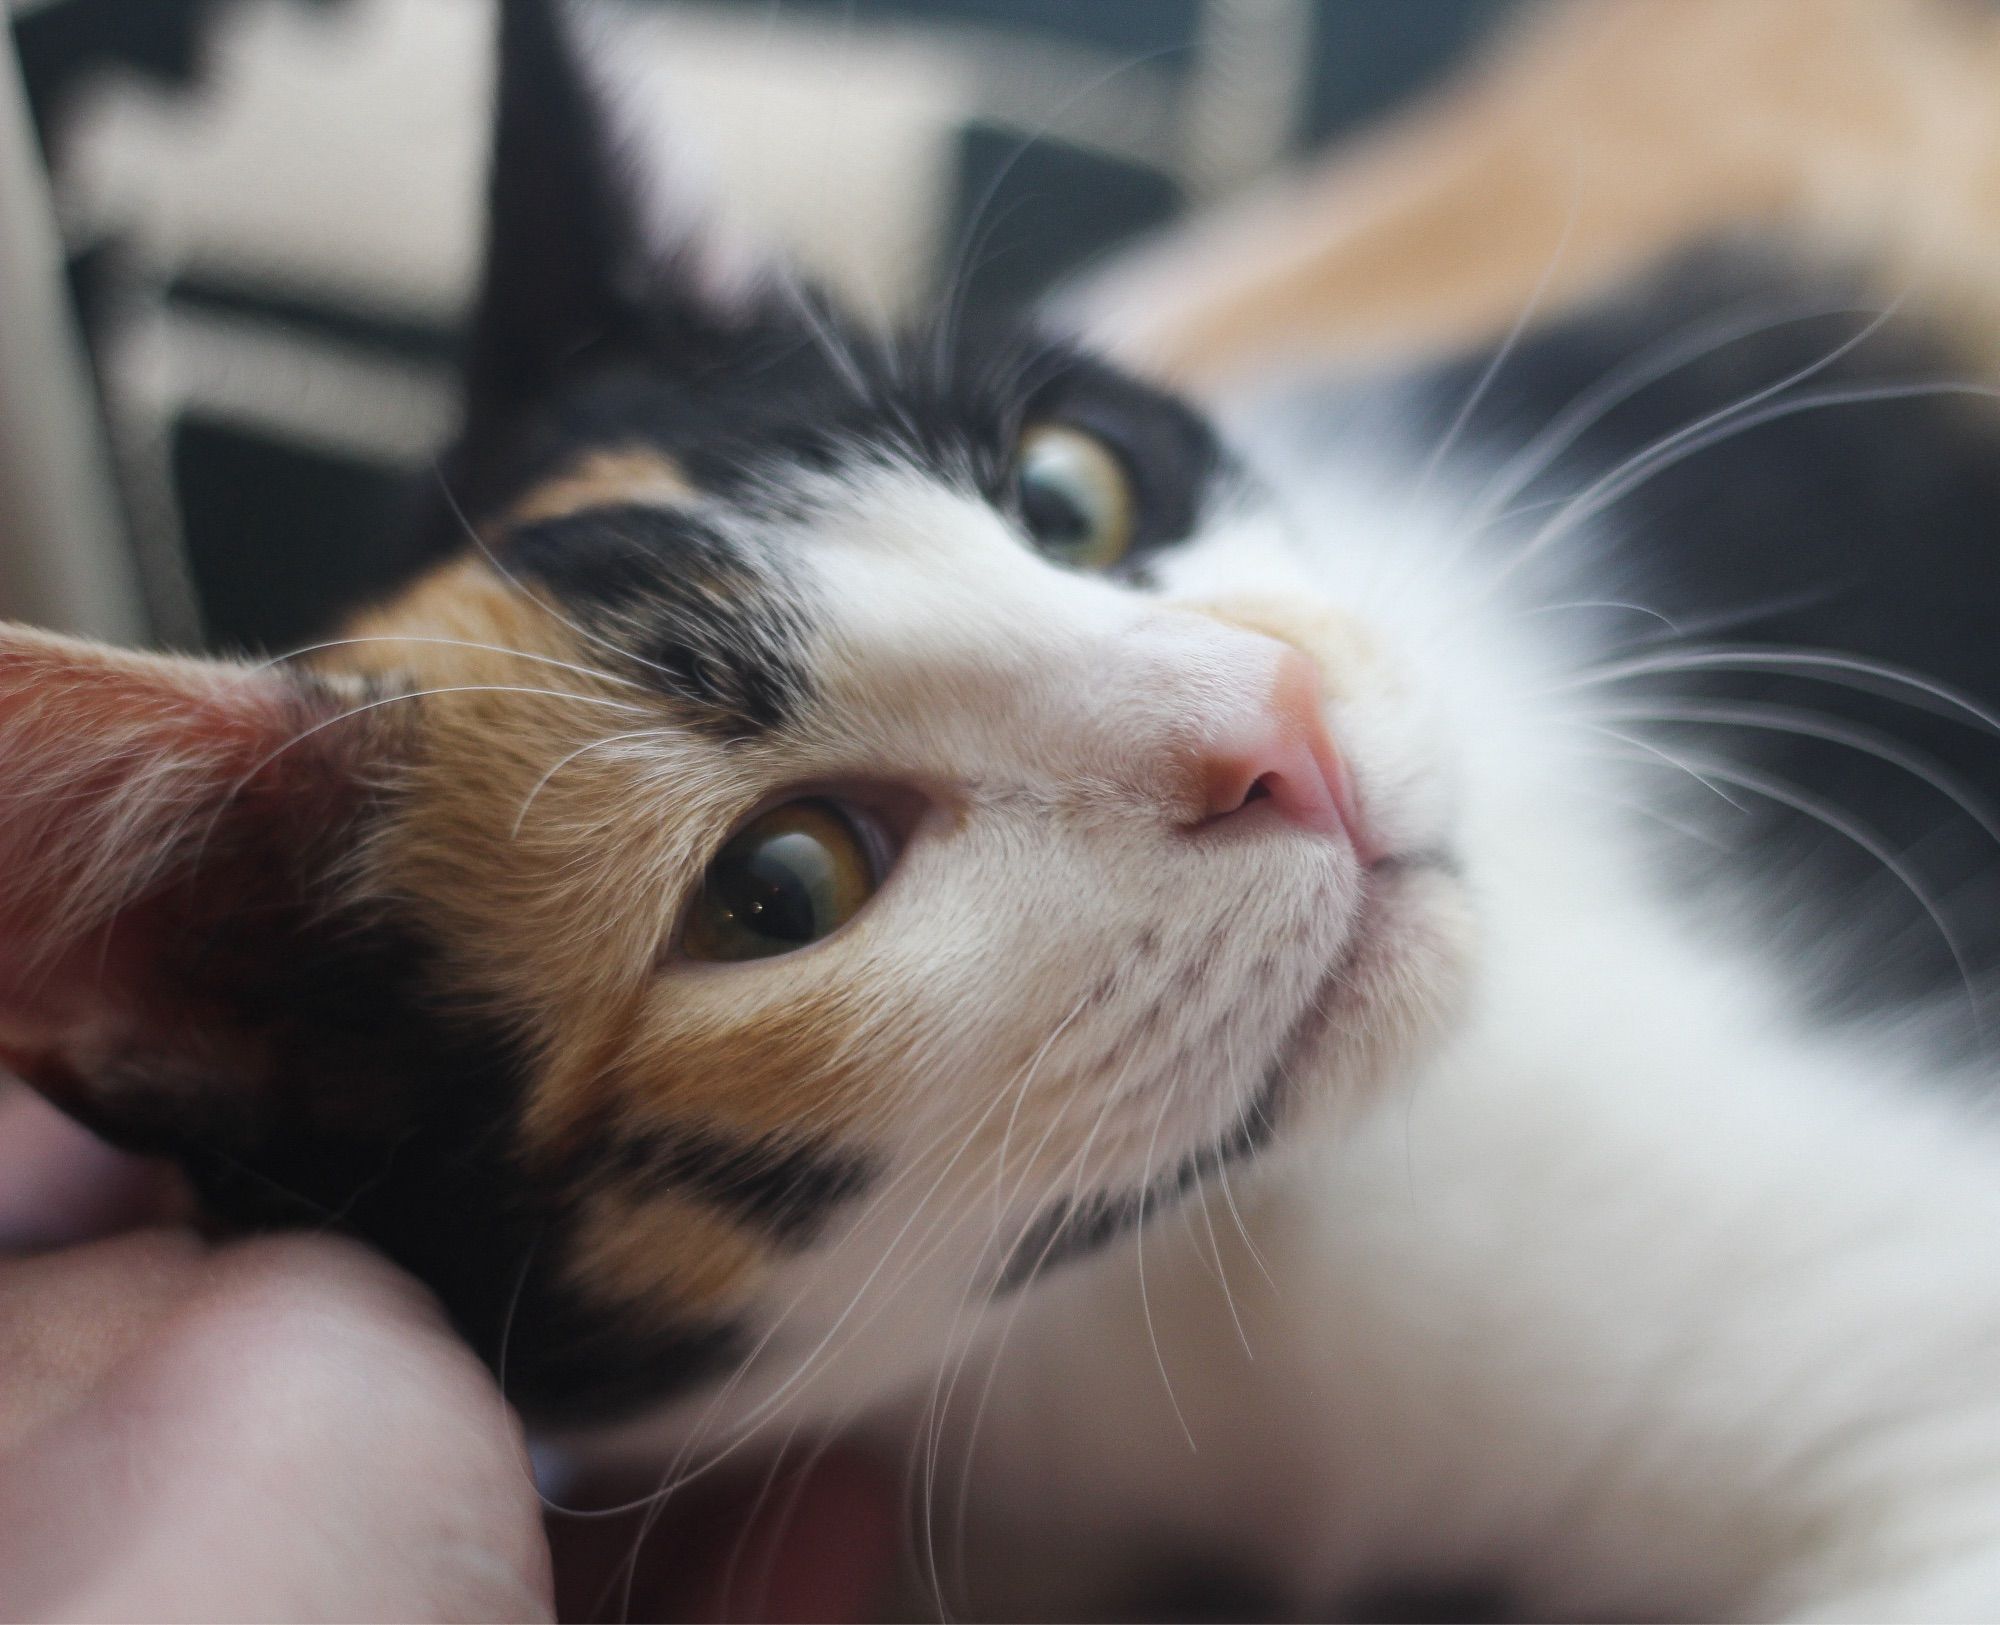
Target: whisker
[(540, 601), (1873, 742), (957, 283), (430, 694), (1588, 497), (1658, 753), (1020, 1095), (1679, 448), (512, 1311), (1758, 609), (222, 807), (839, 356), (1640, 809), (1870, 841), (1428, 474), (677, 1475), (1145, 1303), (746, 1426), (1242, 1229), (1864, 675), (1698, 341), (1609, 603), (930, 1439), (547, 778), (1072, 1173)]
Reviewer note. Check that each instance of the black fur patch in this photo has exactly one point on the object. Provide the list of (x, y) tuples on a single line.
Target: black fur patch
[(381, 1112), (565, 1360), (699, 617), (1867, 524), (829, 399), (784, 1189)]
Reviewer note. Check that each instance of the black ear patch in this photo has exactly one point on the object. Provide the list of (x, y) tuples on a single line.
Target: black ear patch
[(582, 289), (565, 272)]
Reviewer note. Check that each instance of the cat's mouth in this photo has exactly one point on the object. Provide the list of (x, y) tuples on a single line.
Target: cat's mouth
[(1076, 1227)]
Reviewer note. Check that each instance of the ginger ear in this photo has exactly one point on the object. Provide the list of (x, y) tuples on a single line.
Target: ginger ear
[(169, 834)]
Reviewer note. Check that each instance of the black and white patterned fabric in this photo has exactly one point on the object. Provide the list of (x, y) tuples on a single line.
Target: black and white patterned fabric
[(273, 206)]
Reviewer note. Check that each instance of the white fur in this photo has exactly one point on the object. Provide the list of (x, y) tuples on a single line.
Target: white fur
[(1640, 1298)]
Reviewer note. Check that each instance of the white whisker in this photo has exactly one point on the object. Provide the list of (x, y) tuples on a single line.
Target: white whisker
[(1827, 665), (1677, 449), (1697, 342)]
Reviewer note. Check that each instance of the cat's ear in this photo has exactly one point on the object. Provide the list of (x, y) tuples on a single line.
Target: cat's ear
[(593, 252), (169, 833)]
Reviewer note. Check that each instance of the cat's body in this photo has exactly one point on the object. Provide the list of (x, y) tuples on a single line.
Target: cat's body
[(910, 887)]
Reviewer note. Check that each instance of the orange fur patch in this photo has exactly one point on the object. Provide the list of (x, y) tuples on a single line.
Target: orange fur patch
[(663, 1250), (549, 853), (611, 477), (553, 815), (794, 1070), (1339, 644), (465, 622)]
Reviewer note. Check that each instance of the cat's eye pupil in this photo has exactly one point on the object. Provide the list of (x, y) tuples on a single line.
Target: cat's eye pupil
[(1074, 497), (1053, 516), (768, 890), (788, 878)]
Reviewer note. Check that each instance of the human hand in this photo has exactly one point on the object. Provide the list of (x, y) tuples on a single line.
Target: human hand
[(279, 1429), (287, 1429)]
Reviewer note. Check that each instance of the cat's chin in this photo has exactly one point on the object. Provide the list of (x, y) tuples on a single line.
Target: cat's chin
[(1401, 983), (1389, 996)]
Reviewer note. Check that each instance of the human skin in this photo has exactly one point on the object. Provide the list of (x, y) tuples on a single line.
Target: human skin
[(287, 1429)]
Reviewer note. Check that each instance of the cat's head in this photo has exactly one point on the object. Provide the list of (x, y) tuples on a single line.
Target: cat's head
[(836, 828)]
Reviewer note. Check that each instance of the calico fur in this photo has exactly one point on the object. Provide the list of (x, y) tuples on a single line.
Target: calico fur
[(1469, 1203), (700, 545)]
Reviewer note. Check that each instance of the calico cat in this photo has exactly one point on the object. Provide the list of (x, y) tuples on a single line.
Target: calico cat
[(915, 884)]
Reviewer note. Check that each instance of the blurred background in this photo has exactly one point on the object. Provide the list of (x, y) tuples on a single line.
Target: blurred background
[(268, 210)]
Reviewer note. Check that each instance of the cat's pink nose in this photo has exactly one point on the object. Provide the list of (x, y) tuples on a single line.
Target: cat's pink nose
[(1282, 759)]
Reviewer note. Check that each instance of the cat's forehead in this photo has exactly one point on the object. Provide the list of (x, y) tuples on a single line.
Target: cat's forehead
[(704, 537)]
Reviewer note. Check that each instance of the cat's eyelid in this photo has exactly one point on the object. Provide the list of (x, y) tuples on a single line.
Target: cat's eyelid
[(885, 817)]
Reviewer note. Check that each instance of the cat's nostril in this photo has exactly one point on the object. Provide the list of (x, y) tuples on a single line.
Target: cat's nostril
[(1283, 757), (1293, 778)]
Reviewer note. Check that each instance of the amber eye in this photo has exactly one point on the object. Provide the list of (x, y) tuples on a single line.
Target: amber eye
[(1074, 496), (788, 878)]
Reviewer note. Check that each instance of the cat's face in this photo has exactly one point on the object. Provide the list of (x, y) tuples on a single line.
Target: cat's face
[(840, 829)]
